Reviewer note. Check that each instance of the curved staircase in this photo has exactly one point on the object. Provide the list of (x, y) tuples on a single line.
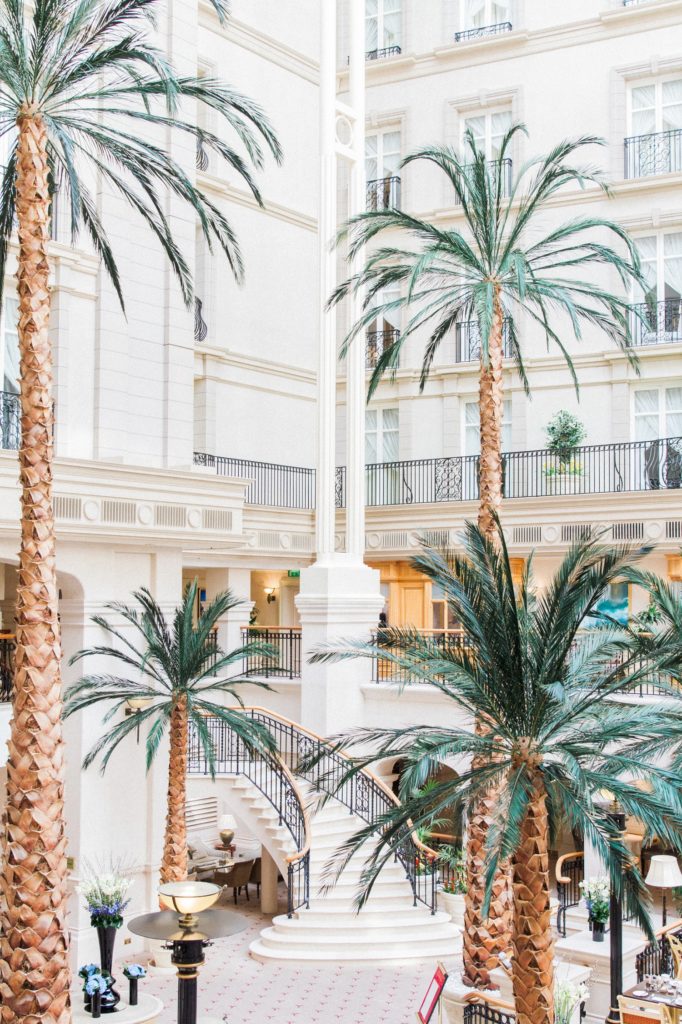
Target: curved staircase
[(282, 807)]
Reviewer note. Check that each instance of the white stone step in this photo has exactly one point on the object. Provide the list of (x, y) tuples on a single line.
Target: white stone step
[(376, 924), (416, 945)]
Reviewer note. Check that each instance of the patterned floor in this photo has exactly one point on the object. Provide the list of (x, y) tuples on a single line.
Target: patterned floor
[(238, 990)]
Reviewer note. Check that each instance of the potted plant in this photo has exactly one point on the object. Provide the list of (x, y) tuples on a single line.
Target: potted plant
[(105, 899), (133, 972), (567, 999), (565, 471), (453, 872), (597, 893)]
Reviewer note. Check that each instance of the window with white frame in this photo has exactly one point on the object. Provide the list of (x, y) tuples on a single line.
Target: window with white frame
[(657, 413), (472, 427), (655, 115), (203, 289), (384, 330), (660, 303), (382, 169), (488, 130), (382, 440), (10, 345), (382, 24), (485, 13)]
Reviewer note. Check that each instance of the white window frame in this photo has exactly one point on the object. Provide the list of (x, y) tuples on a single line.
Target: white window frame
[(14, 332), (488, 17), (382, 42), (662, 411), (380, 410), (487, 114), (506, 423), (658, 82), (380, 135)]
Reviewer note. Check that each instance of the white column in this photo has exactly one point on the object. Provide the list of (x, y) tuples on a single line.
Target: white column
[(268, 883), (355, 386), (238, 580)]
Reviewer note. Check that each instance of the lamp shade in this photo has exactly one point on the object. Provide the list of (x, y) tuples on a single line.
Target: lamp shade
[(138, 703), (664, 872), (226, 821), (189, 897)]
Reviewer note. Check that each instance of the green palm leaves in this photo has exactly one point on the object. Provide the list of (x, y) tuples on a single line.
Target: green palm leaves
[(548, 677), (503, 252), (166, 664), (90, 71)]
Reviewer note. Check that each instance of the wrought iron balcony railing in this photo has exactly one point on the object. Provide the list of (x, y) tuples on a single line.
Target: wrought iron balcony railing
[(200, 325), (10, 420), (7, 646), (656, 323), (484, 30), (377, 342), (468, 341), (382, 52), (506, 177), (272, 485), (383, 193), (656, 153), (286, 645)]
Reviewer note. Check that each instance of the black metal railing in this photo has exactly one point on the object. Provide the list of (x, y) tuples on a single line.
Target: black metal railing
[(383, 51), (286, 647), (10, 420), (507, 172), (570, 873), (378, 342), (7, 647), (272, 485), (484, 30), (363, 795), (437, 641), (212, 644), (383, 193), (656, 323), (272, 777), (656, 153), (656, 958), (200, 325), (483, 1013), (468, 339)]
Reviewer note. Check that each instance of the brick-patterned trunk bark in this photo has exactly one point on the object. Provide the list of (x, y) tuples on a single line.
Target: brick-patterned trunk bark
[(484, 939), (174, 864), (533, 945), (34, 964)]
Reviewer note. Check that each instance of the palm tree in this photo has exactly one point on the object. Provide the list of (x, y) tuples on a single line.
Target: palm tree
[(556, 733), (504, 264), (181, 667), (82, 90)]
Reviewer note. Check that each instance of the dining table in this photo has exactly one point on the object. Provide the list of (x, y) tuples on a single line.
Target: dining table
[(673, 1000)]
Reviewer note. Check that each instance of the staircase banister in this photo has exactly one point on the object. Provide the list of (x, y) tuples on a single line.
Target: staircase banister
[(293, 858), (481, 996), (429, 853), (574, 855), (676, 926)]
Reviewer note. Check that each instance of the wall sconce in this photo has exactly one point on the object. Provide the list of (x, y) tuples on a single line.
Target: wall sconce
[(134, 706), (270, 594)]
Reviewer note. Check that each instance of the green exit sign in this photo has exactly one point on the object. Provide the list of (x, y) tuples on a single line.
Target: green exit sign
[(294, 574)]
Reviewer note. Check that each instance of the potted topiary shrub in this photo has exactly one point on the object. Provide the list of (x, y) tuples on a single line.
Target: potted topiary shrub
[(563, 470), (453, 887)]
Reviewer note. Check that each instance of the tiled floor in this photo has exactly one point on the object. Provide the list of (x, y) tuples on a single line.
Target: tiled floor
[(239, 990)]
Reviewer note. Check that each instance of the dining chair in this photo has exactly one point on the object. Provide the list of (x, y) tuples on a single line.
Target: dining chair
[(676, 950), (634, 1011)]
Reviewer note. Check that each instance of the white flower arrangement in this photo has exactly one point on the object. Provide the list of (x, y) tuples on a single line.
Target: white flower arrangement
[(597, 894), (105, 897), (566, 997)]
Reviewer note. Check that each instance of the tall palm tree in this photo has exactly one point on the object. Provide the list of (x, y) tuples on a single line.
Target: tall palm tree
[(556, 733), (182, 672), (83, 90), (503, 263)]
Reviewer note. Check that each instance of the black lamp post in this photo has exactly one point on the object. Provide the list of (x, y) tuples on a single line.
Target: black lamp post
[(188, 927), (617, 818)]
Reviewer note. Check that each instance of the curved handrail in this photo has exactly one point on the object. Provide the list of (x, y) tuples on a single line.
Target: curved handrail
[(560, 863), (305, 849), (481, 996)]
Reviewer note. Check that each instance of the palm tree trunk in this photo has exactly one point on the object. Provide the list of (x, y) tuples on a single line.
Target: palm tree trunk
[(34, 964), (484, 940), (174, 864), (532, 972), (490, 403)]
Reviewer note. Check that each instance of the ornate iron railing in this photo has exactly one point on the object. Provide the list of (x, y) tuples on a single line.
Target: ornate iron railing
[(274, 780), (656, 323), (271, 485), (286, 645), (657, 957), (200, 325), (656, 153), (383, 51), (10, 421), (384, 193), (377, 342), (468, 338), (437, 640), (484, 1013), (364, 795), (7, 647), (570, 872), (484, 30), (507, 170)]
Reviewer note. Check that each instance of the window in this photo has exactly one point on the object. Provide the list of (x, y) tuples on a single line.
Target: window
[(661, 304), (385, 329), (655, 143), (658, 413), (204, 326), (488, 131), (485, 13), (381, 435), (442, 615), (382, 168), (10, 345), (382, 26), (472, 435)]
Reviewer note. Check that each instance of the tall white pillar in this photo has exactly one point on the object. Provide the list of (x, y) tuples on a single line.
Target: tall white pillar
[(340, 596)]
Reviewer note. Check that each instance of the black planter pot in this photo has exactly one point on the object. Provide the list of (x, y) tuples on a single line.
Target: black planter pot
[(96, 1005), (598, 929), (132, 993), (106, 938)]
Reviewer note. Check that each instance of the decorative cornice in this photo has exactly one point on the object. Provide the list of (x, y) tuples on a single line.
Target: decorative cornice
[(242, 197)]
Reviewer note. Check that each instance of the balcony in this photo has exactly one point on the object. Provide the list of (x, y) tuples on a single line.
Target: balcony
[(468, 341), (385, 51), (7, 645), (484, 30), (272, 485), (378, 342), (506, 177), (657, 323), (286, 645), (383, 194), (657, 153), (10, 421)]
